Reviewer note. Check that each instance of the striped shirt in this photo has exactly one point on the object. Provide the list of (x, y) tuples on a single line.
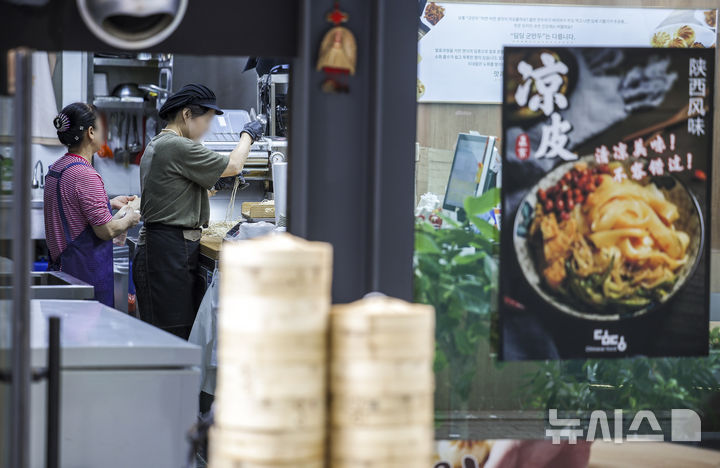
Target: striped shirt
[(84, 201)]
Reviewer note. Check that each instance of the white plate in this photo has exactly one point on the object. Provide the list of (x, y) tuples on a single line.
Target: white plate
[(523, 250)]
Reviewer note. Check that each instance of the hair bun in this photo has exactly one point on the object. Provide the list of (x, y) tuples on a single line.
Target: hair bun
[(61, 123)]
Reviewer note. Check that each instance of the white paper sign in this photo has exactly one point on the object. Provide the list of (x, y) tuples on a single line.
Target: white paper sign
[(460, 57)]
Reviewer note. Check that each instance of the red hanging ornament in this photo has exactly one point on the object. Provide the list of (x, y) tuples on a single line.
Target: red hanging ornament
[(338, 53)]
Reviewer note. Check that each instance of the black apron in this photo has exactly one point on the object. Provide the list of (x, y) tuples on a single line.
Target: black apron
[(167, 283)]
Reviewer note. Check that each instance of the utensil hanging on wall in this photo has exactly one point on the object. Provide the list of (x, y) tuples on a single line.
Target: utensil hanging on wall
[(134, 147), (144, 129), (105, 151), (117, 128), (127, 154), (121, 153)]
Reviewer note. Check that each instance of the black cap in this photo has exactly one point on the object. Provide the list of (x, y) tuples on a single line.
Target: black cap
[(189, 94)]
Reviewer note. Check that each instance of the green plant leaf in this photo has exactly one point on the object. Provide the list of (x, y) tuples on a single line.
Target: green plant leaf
[(441, 361), (449, 221), (486, 229), (425, 244), (464, 259), (476, 206), (464, 346)]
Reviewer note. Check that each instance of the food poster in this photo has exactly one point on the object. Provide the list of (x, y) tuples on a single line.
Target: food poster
[(461, 453), (460, 45), (605, 234)]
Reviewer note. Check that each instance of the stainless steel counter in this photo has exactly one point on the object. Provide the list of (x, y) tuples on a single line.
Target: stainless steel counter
[(129, 391), (49, 285)]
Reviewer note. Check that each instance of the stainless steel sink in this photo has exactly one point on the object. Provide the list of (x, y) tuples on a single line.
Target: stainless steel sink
[(50, 285), (37, 219)]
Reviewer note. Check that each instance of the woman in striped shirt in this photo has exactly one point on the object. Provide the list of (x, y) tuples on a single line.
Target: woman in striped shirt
[(79, 225)]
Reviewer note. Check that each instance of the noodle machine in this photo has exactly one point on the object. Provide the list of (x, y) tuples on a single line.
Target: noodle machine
[(224, 135)]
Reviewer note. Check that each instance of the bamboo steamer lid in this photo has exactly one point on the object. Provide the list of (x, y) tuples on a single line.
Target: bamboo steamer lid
[(277, 249), (274, 381), (235, 410), (272, 315), (381, 443), (381, 410), (268, 447), (380, 345), (382, 314), (382, 377), (264, 348), (277, 263)]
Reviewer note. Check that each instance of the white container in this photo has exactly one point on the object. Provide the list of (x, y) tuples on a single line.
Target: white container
[(279, 175), (100, 84)]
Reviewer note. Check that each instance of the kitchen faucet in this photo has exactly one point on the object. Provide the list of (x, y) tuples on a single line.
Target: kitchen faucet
[(38, 183)]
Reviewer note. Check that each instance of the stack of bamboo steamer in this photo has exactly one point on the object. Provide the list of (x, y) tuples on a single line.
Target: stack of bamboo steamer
[(270, 406), (381, 384)]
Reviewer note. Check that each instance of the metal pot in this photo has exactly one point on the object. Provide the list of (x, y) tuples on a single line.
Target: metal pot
[(126, 90)]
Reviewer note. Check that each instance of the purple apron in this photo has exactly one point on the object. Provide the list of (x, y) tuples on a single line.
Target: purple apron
[(87, 257)]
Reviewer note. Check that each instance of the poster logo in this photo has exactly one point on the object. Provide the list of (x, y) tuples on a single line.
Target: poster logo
[(604, 341), (685, 426), (522, 146)]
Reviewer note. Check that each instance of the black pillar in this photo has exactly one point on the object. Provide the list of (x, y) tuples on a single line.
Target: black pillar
[(352, 155)]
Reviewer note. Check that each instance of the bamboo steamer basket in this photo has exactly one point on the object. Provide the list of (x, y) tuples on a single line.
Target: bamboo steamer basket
[(252, 314), (234, 410), (267, 447), (274, 381), (221, 461), (381, 384), (269, 348), (381, 410), (276, 265), (382, 314), (380, 327), (417, 461), (381, 443), (275, 284), (381, 346), (382, 377)]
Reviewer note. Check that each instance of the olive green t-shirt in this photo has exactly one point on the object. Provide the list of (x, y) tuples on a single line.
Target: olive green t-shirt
[(175, 175)]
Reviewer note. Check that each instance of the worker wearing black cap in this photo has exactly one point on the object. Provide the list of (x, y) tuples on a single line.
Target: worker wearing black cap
[(176, 173)]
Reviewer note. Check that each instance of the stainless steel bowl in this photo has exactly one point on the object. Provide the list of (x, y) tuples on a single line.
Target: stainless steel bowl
[(126, 90)]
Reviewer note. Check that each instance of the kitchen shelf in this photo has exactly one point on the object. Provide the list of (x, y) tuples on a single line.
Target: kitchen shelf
[(128, 62), (118, 103), (47, 141)]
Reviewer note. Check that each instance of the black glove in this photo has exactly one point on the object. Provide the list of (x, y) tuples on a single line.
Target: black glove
[(255, 129)]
